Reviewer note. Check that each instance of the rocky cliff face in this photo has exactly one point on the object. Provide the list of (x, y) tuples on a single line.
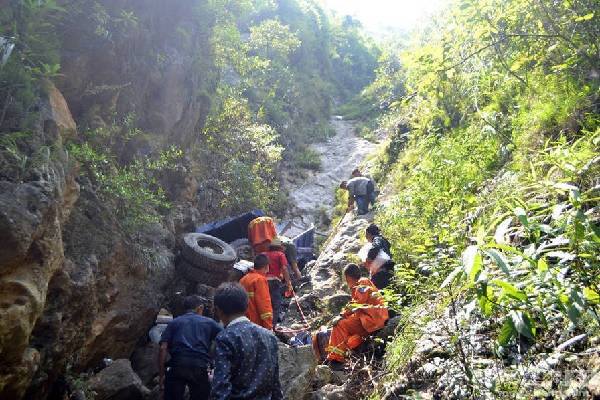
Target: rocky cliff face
[(32, 220), (73, 288), (151, 58)]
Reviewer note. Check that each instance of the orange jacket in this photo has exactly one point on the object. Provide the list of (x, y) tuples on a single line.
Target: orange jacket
[(259, 300), (261, 232), (368, 304)]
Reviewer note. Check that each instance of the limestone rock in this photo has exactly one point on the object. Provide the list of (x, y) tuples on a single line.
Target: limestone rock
[(325, 375), (56, 110), (593, 385), (329, 392), (336, 302), (295, 364), (144, 362), (32, 218), (101, 76), (118, 381)]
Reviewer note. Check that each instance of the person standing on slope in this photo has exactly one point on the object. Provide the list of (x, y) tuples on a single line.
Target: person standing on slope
[(255, 282), (187, 339), (276, 275), (246, 363), (379, 258)]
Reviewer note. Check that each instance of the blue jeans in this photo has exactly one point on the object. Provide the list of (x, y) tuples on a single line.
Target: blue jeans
[(362, 202)]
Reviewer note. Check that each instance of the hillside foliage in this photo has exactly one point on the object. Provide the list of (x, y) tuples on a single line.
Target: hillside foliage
[(493, 159), (268, 72)]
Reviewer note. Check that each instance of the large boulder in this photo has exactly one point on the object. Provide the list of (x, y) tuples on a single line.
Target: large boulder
[(118, 381), (144, 362), (295, 364)]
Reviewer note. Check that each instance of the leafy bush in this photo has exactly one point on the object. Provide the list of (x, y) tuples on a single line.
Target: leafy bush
[(32, 26), (308, 158), (131, 188)]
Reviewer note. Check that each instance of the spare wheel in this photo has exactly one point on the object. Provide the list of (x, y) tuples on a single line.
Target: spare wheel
[(207, 251)]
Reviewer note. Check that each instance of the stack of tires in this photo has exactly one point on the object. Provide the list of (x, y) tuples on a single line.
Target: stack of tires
[(206, 259)]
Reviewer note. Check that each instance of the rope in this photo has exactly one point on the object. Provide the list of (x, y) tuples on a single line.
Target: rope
[(303, 318)]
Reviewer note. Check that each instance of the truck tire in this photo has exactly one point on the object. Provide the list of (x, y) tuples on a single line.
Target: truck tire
[(208, 252), (200, 275)]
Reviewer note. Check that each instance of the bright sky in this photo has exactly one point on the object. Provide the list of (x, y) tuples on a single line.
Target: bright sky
[(376, 14)]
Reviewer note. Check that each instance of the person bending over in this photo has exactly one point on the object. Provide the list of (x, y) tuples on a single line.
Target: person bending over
[(259, 300), (365, 313), (187, 339), (247, 365), (360, 189), (356, 173)]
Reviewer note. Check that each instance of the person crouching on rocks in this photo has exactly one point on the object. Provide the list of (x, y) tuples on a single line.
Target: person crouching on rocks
[(187, 339), (246, 364), (365, 313)]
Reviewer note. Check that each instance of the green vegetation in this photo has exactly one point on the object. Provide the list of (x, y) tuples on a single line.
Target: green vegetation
[(495, 136), (131, 188), (267, 74), (30, 25)]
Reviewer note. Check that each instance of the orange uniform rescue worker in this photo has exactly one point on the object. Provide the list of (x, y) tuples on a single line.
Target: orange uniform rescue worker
[(366, 313), (261, 231), (259, 300)]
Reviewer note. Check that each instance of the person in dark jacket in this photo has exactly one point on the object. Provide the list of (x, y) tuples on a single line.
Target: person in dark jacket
[(383, 274), (187, 339), (246, 363)]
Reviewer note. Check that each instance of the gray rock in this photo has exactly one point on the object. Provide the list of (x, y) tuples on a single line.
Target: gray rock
[(295, 364), (118, 381), (144, 362), (593, 385), (329, 392), (337, 302), (324, 374), (389, 328), (428, 370)]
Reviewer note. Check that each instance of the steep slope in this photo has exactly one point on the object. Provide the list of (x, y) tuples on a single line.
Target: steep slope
[(339, 155)]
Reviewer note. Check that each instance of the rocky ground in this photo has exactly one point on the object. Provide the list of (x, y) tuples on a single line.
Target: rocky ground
[(321, 299), (339, 156), (135, 377)]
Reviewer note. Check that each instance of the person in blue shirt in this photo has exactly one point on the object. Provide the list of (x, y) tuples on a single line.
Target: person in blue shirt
[(187, 339), (246, 362)]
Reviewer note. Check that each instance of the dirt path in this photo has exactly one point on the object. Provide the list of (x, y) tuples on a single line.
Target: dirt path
[(339, 156)]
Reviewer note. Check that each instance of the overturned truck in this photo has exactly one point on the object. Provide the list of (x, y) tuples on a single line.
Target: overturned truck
[(220, 251)]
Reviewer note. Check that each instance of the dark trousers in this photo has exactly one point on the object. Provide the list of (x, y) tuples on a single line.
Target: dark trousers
[(382, 279), (275, 292), (195, 378)]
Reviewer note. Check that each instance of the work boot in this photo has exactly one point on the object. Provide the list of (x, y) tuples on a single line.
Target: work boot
[(335, 365)]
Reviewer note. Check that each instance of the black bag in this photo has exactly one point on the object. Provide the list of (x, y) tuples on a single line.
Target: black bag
[(370, 187)]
